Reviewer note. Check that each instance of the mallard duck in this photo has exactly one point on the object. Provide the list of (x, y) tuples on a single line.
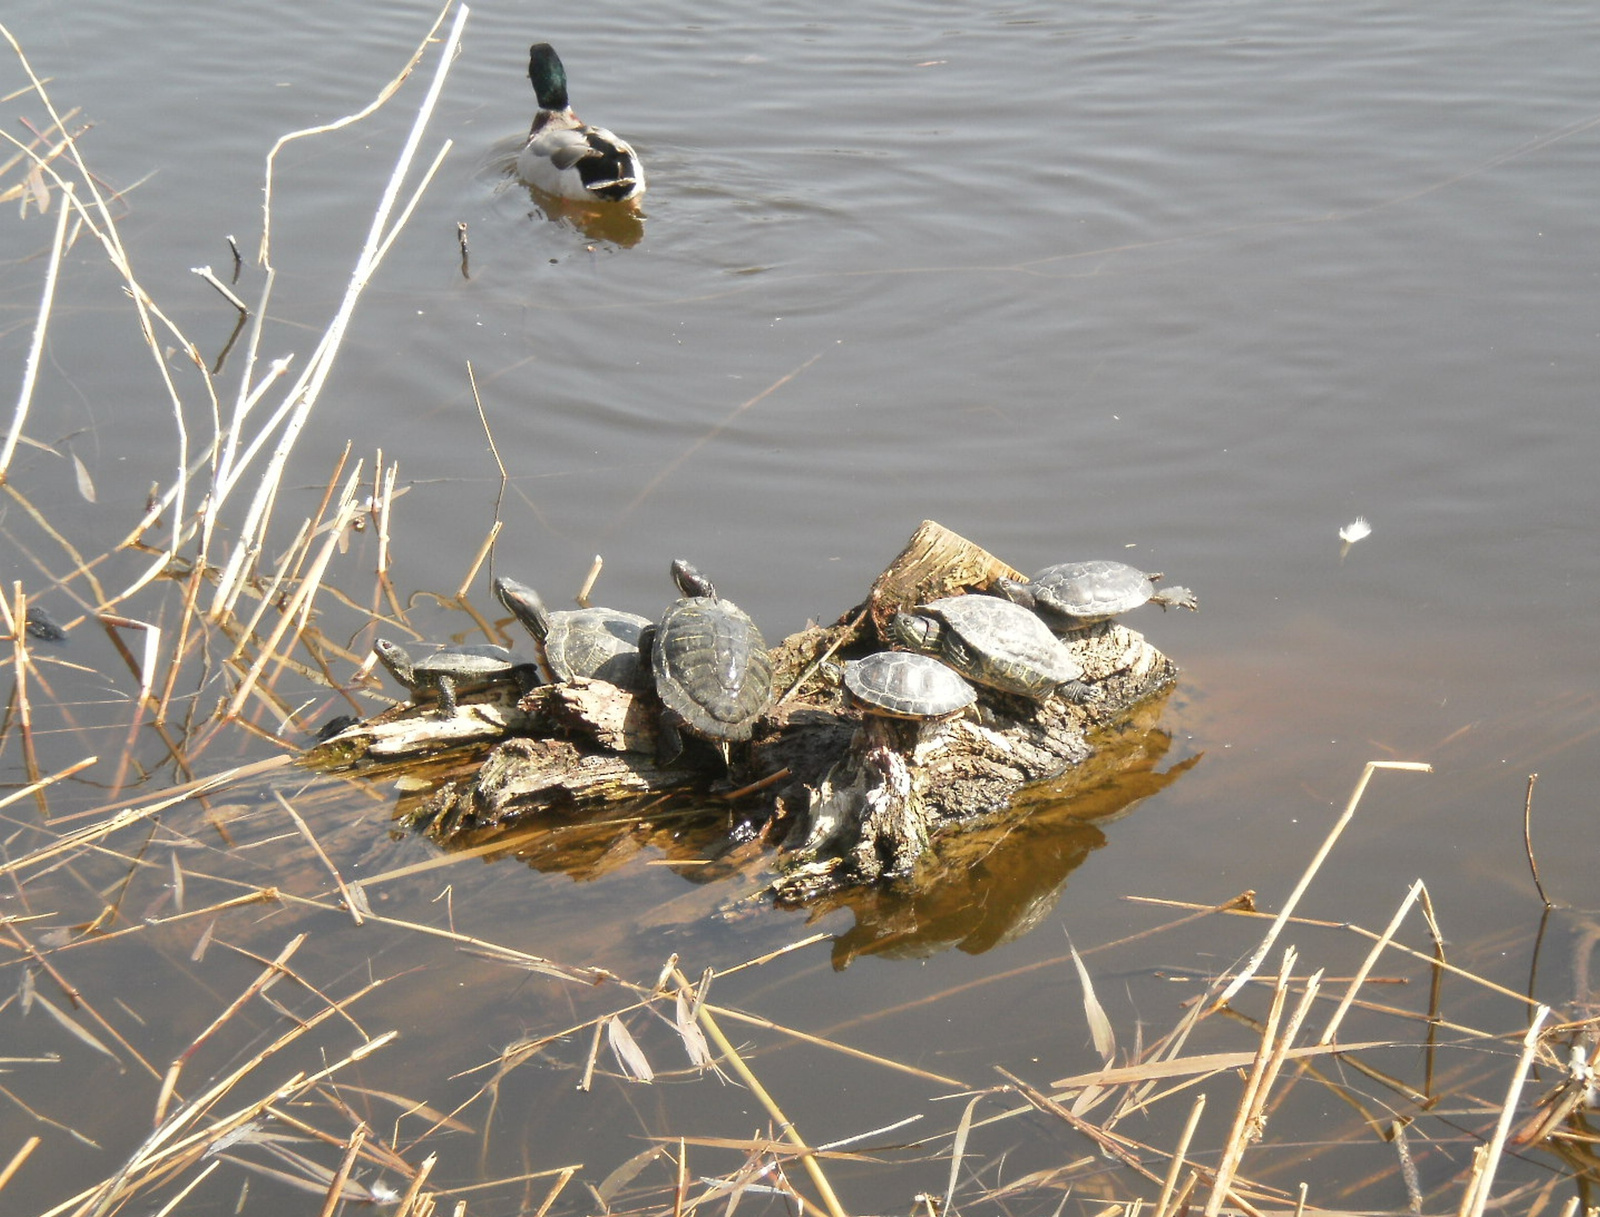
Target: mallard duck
[(564, 155)]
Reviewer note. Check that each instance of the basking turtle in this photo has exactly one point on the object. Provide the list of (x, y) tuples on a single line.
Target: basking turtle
[(598, 642), (1071, 595), (711, 667), (454, 669), (907, 684), (995, 643)]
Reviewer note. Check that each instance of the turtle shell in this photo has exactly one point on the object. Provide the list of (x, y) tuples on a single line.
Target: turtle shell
[(1091, 591), (993, 642), (711, 667), (905, 684), (477, 663), (451, 669), (597, 642)]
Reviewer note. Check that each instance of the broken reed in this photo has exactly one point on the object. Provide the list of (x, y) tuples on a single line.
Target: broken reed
[(237, 1119), (266, 611)]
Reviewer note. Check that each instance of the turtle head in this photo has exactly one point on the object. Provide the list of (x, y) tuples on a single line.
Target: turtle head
[(397, 659), (914, 632), (1015, 590), (525, 605), (548, 75), (690, 581)]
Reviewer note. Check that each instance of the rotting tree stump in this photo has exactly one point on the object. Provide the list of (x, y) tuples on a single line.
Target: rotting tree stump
[(849, 797)]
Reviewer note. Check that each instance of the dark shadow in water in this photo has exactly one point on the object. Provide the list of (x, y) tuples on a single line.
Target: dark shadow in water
[(980, 885), (992, 883)]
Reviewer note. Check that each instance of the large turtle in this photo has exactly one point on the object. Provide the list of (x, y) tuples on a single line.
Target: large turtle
[(454, 669), (1071, 595), (995, 643), (596, 642), (907, 684), (711, 667)]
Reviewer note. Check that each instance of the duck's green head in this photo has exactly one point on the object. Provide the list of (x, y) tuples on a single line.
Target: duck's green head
[(548, 76)]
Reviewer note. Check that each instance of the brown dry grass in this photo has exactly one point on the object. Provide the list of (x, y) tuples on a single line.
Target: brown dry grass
[(211, 846)]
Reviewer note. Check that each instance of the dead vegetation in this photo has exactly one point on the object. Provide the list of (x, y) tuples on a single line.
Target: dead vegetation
[(224, 986)]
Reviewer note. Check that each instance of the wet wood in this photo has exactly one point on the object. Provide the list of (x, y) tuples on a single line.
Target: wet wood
[(863, 795), (935, 563)]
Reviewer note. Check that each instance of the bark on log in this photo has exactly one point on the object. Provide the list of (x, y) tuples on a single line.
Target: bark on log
[(851, 797)]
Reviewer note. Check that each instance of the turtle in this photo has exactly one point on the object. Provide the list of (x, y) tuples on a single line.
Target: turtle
[(711, 667), (993, 642), (1071, 595), (451, 669), (907, 684), (42, 626), (596, 642)]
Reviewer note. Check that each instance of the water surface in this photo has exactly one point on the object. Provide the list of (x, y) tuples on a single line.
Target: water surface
[(1192, 286)]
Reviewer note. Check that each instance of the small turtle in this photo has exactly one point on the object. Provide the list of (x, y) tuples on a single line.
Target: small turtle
[(1071, 595), (711, 667), (995, 643), (42, 626), (907, 684), (453, 669), (597, 642)]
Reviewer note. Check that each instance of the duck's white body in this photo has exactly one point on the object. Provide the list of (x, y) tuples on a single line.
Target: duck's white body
[(564, 156)]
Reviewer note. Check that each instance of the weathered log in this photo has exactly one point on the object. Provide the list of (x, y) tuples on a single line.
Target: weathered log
[(852, 797), (935, 563)]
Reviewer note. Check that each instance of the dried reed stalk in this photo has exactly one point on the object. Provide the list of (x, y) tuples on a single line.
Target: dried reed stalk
[(303, 394), (30, 366)]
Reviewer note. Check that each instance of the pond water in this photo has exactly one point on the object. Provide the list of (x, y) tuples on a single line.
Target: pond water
[(1192, 285)]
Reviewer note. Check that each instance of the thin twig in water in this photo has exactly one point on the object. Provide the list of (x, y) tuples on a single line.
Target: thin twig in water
[(1331, 1031), (227, 293), (673, 465), (1527, 840), (1477, 1197), (308, 387), (807, 1157), (30, 366), (350, 901), (1242, 977), (588, 584)]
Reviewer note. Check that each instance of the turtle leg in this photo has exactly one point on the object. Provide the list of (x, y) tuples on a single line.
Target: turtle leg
[(669, 744), (447, 697), (1079, 693), (1176, 597)]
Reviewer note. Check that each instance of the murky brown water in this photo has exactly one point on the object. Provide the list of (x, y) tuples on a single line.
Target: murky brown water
[(1192, 285)]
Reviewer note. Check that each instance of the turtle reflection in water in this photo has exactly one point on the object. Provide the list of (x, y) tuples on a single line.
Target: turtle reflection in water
[(711, 667), (993, 642), (1071, 595), (454, 669), (601, 643)]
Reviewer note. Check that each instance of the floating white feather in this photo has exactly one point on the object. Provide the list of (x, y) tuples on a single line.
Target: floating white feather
[(1354, 531)]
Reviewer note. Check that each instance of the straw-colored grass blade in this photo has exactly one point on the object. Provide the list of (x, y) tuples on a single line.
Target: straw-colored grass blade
[(625, 1174), (694, 1040), (629, 1055), (1100, 1029), (958, 1148)]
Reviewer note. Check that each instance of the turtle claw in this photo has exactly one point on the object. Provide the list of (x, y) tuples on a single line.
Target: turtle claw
[(1078, 693), (1176, 597)]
